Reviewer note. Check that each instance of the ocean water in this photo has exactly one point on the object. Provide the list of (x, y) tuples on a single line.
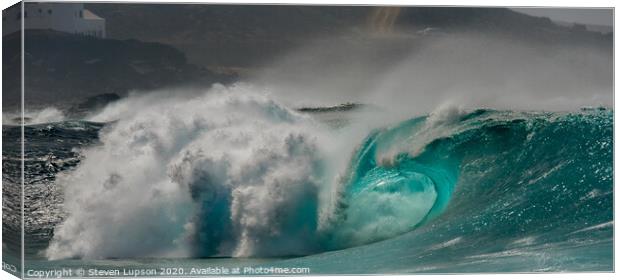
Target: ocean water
[(254, 184)]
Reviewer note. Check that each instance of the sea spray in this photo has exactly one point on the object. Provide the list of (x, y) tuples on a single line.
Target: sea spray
[(33, 116)]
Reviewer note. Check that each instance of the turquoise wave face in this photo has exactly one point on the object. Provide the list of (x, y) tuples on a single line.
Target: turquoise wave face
[(386, 198), (487, 191)]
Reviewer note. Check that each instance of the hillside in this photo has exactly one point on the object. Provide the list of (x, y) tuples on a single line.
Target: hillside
[(62, 67), (251, 35), (156, 45)]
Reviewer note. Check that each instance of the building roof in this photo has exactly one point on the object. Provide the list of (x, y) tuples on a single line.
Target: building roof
[(90, 15)]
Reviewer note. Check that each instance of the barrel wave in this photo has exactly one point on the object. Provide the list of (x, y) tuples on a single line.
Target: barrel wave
[(385, 197), (514, 191)]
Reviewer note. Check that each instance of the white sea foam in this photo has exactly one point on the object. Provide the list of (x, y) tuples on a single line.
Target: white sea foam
[(229, 172)]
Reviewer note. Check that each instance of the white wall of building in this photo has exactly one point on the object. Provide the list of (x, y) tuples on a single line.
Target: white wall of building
[(65, 17)]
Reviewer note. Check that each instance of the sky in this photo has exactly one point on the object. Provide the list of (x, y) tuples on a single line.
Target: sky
[(597, 16)]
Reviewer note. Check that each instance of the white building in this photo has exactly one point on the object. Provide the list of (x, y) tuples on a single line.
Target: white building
[(65, 17)]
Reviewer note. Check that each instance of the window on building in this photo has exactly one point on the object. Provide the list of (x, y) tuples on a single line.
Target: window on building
[(19, 16), (81, 14), (25, 14), (49, 11), (40, 11)]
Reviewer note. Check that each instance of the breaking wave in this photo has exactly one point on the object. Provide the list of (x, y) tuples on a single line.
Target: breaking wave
[(234, 173)]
